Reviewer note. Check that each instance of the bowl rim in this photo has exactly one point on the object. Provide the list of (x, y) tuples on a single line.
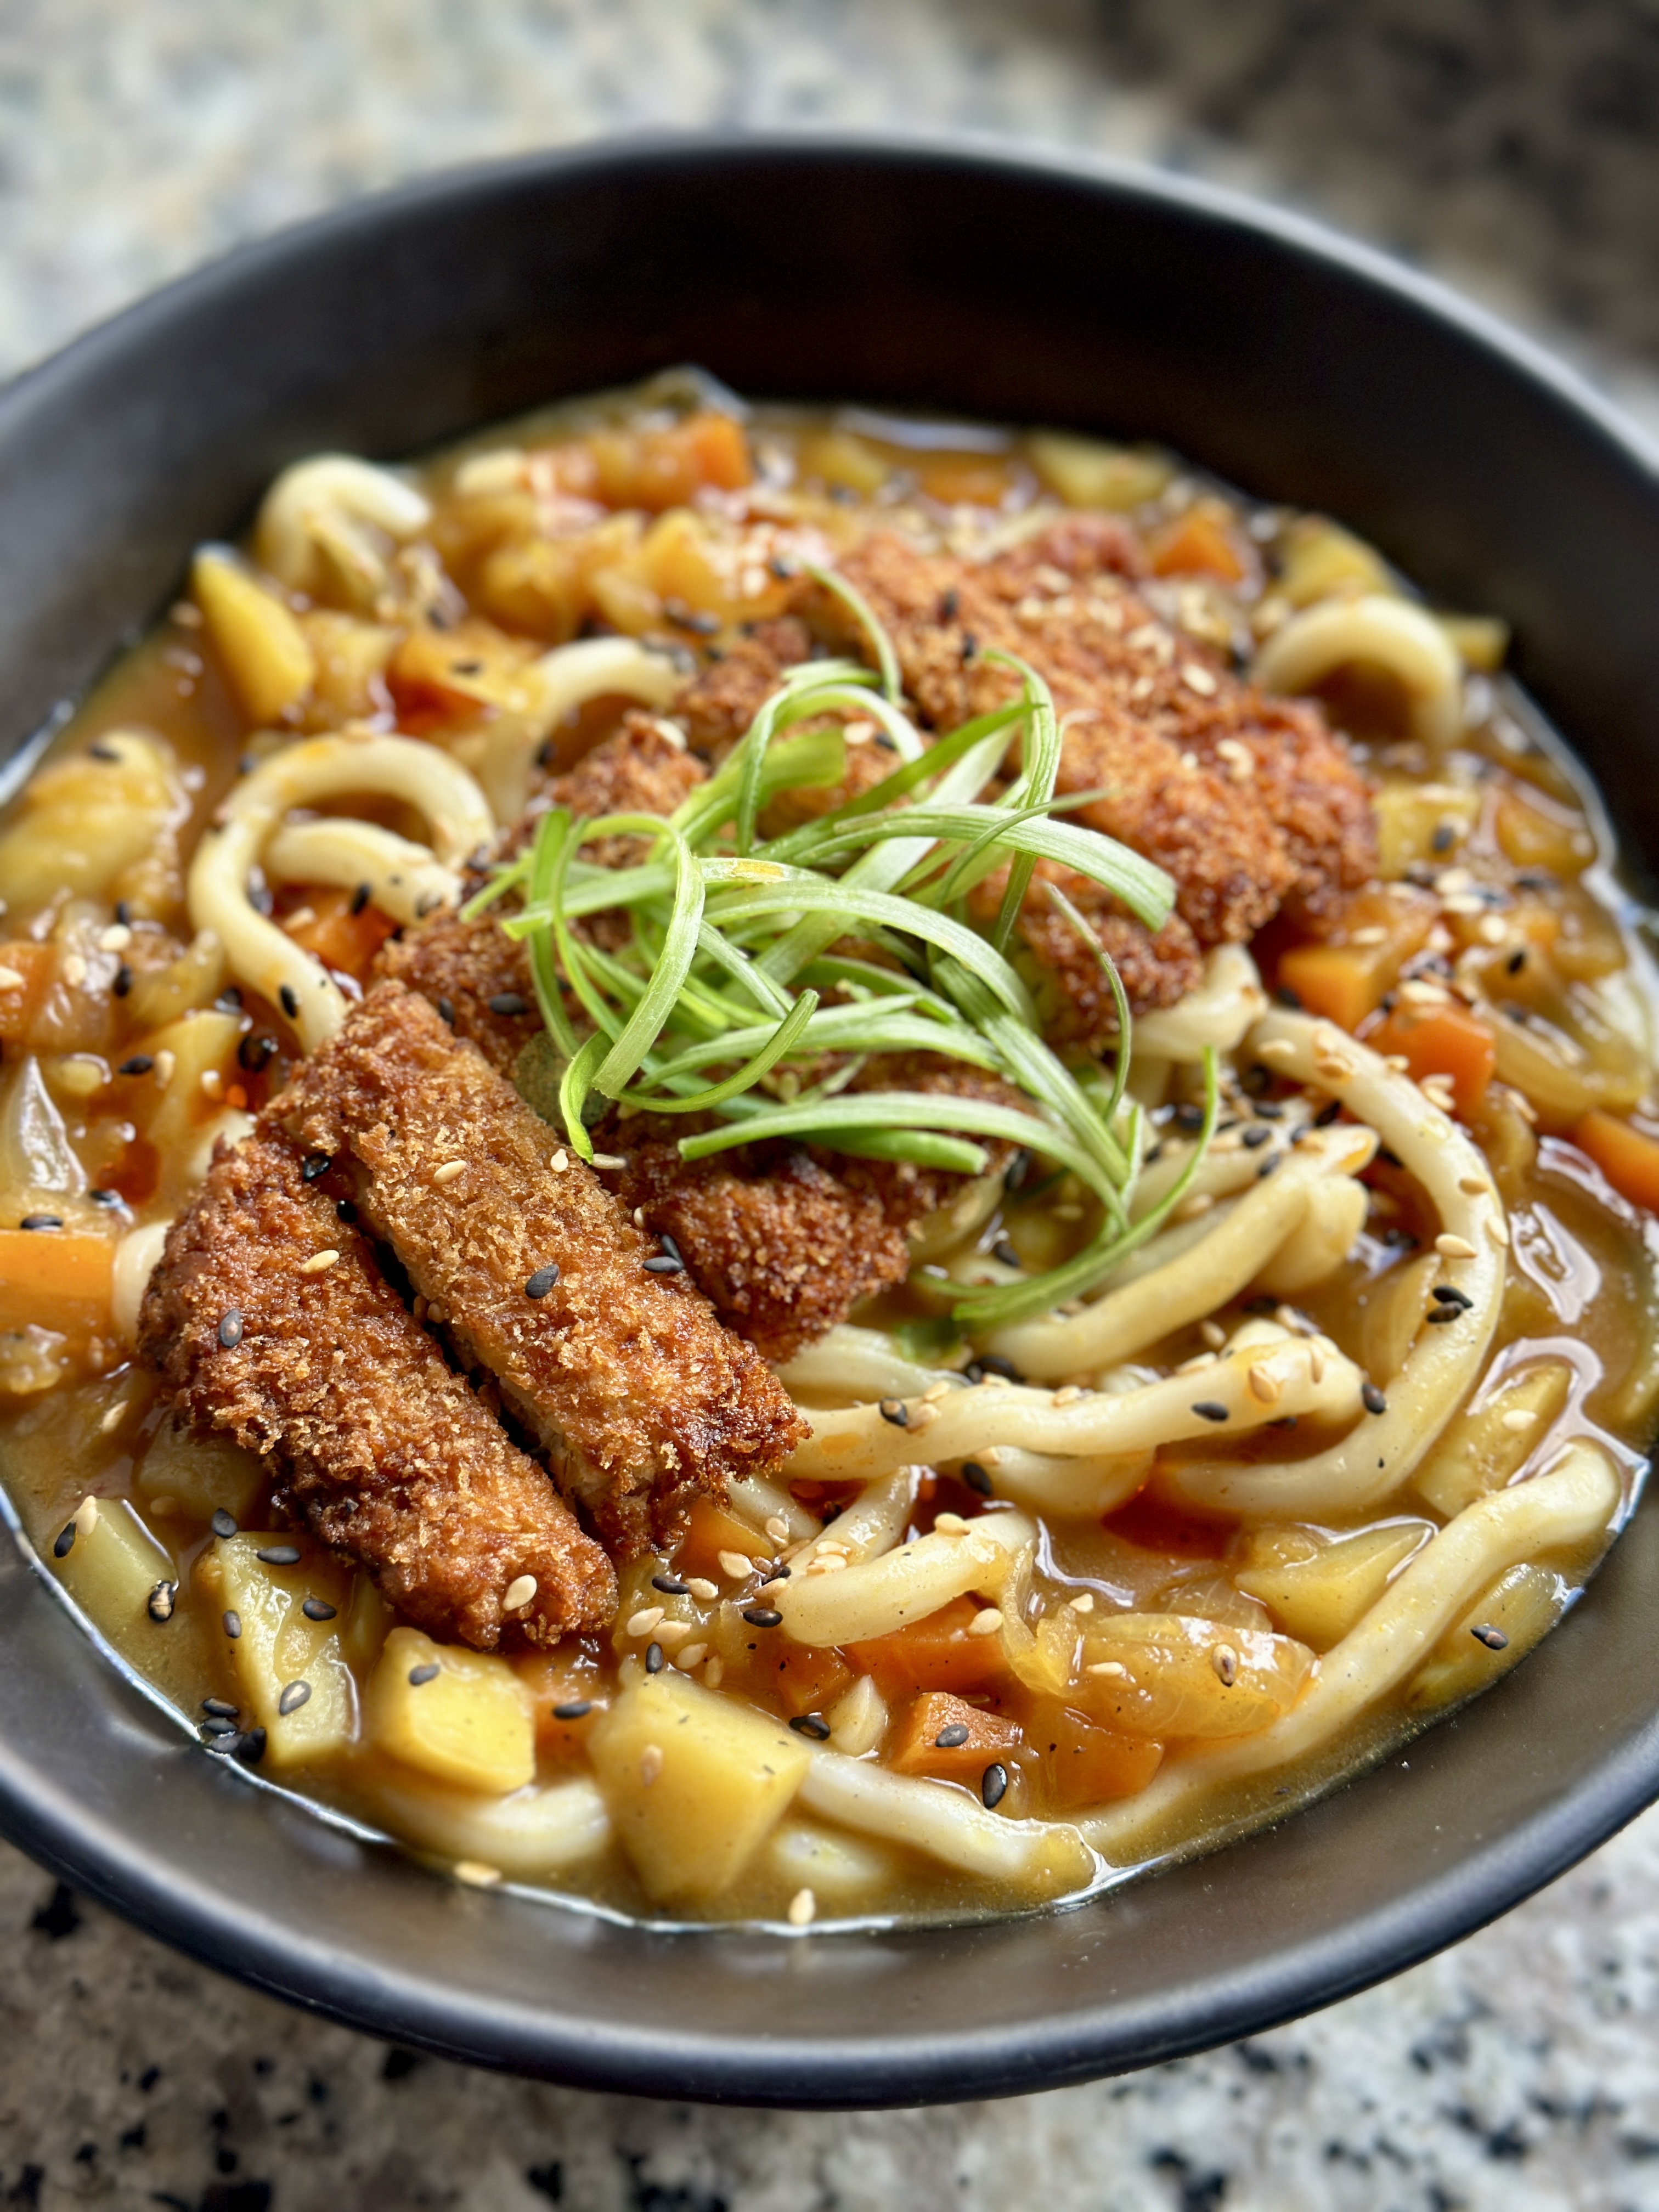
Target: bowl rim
[(881, 2067)]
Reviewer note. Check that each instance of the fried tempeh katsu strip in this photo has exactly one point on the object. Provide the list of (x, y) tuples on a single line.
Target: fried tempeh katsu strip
[(632, 1386), (382, 1450)]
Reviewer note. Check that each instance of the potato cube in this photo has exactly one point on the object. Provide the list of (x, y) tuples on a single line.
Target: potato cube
[(194, 1476), (278, 1650), (471, 1724), (112, 1566), (1084, 473), (696, 1782), (266, 654)]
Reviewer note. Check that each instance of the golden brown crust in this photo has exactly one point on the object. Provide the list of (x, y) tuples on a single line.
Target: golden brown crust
[(782, 1246), (638, 769), (475, 975), (625, 1376), (905, 1192), (720, 701), (382, 1449)]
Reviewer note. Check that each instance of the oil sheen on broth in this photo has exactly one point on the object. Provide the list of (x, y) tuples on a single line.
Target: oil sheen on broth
[(1074, 1451)]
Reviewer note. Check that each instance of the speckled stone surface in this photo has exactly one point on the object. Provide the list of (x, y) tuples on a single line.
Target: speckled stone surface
[(1511, 145)]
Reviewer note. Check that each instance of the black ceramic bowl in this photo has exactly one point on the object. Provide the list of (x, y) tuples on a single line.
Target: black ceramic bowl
[(1303, 368)]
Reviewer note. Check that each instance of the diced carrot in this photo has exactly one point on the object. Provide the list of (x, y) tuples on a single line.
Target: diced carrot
[(965, 479), (1343, 982), (659, 468), (1202, 542), (710, 1530), (437, 676), (803, 1678), (56, 1279), (339, 937), (1082, 1763), (972, 1738), (20, 1001), (939, 1652), (553, 1680), (1441, 1041), (1628, 1159)]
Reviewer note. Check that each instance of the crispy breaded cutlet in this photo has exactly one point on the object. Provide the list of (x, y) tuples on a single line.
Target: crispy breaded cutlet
[(382, 1450), (780, 1245), (719, 702), (1248, 802), (905, 1192), (640, 768), (631, 1385)]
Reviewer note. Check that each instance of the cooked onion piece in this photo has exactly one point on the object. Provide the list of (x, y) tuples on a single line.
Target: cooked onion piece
[(328, 517), (1217, 1012), (1575, 1501), (135, 1257), (1381, 1450), (1241, 1389), (264, 956), (533, 1832), (1385, 633), (876, 1596), (946, 1823), (1203, 1275), (567, 677)]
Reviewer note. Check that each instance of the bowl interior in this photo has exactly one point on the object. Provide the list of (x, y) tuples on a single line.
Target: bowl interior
[(955, 281)]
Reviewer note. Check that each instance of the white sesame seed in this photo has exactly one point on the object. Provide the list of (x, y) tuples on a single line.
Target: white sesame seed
[(164, 1064), (642, 1622), (1397, 1064), (476, 1875), (560, 1161), (934, 1392), (609, 1160), (1196, 1363), (670, 1634), (75, 970), (1068, 1394), (318, 1262), (803, 1909), (519, 1593), (922, 1416), (1491, 930), (988, 1622), (650, 1765), (737, 1565), (704, 1591), (991, 1456), (950, 1524), (778, 1528), (714, 1670), (1084, 1602), (11, 981), (692, 1656), (1212, 1333), (448, 1171), (86, 1516), (1264, 1385), (1498, 1230), (1472, 1186), (115, 939), (1518, 1419), (213, 1084), (1200, 680), (1106, 1667), (1197, 1202), (1418, 993), (1454, 1247), (1315, 1362), (1375, 934)]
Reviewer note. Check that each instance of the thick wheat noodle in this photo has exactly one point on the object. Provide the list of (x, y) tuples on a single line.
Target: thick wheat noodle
[(1573, 1501), (878, 1595), (264, 958), (944, 1822), (404, 880), (565, 678), (1378, 631), (1226, 1168), (328, 499), (1199, 1279), (851, 1364), (1217, 1012), (1309, 1379), (869, 1527), (532, 1833), (1378, 1453)]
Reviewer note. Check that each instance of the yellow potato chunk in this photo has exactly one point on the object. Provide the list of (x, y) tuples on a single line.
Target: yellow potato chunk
[(100, 823), (471, 1724), (265, 653), (1084, 473), (194, 1476), (279, 1649), (1317, 1592), (696, 1782), (112, 1567)]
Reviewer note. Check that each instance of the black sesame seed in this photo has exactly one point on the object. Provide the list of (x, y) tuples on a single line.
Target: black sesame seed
[(1286, 997), (760, 1616), (975, 1476), (223, 1523), (1493, 1639), (993, 1363), (670, 1246), (218, 1726), (1210, 1409), (1372, 1399), (255, 1053), (447, 1012), (252, 1748), (1188, 1116), (947, 605), (1327, 1114), (233, 1625), (1003, 1253), (1270, 1110), (288, 999), (663, 1264), (64, 1542), (654, 1660), (1017, 1170), (159, 1603), (775, 1574), (811, 1725), (230, 999), (1255, 1136), (41, 1221), (295, 1695), (313, 1165), (124, 914), (948, 1739), (279, 1555), (221, 1707), (1516, 962), (140, 1064), (577, 1709), (543, 1280), (1448, 1294), (993, 1785), (230, 1329), (102, 753), (1391, 1160), (508, 1002), (670, 1585), (1445, 837), (316, 1608), (344, 1210), (970, 645), (428, 1671), (105, 1197), (123, 982), (360, 898), (895, 1411)]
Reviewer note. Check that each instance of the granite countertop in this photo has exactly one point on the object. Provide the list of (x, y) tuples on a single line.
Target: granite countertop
[(1509, 143)]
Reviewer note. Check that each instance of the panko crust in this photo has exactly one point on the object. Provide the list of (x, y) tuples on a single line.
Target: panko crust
[(625, 1376), (382, 1450)]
